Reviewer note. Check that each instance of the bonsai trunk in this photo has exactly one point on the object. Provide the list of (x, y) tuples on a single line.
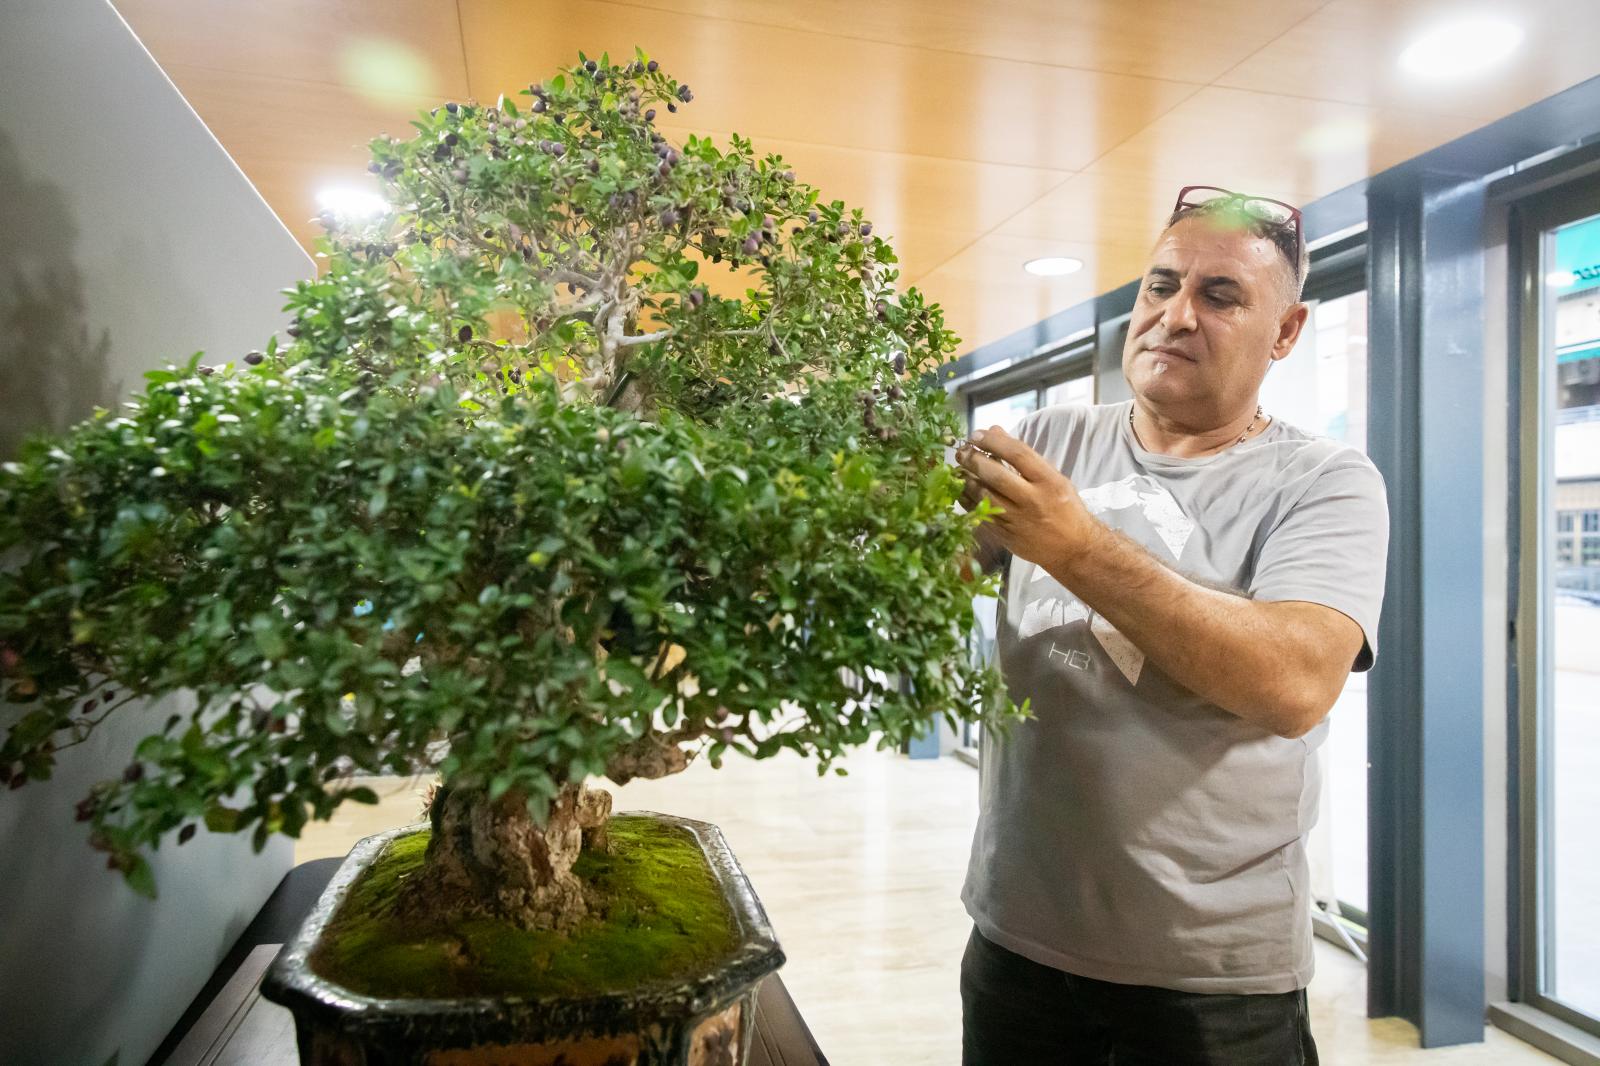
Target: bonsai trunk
[(491, 859)]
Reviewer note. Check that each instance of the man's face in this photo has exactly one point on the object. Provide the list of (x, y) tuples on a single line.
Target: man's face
[(1213, 312)]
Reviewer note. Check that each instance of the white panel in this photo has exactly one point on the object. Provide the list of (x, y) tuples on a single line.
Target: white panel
[(127, 238)]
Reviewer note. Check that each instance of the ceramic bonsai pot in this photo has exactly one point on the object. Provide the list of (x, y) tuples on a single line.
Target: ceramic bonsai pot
[(705, 1019)]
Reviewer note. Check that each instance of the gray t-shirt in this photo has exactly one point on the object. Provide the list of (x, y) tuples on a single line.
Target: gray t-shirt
[(1131, 831)]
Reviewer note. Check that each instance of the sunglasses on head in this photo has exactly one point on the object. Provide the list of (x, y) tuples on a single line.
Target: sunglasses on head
[(1264, 208)]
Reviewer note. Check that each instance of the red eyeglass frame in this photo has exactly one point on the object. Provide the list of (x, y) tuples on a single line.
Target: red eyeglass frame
[(1229, 195)]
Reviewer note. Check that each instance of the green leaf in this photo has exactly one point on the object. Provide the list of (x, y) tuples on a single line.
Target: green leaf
[(220, 819), (141, 878)]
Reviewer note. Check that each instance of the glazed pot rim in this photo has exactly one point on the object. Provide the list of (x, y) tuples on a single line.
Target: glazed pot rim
[(291, 982)]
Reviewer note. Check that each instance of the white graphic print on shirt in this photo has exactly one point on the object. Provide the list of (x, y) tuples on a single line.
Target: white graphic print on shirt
[(1145, 511)]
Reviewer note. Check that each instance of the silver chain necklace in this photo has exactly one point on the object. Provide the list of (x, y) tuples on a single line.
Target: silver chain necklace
[(1242, 436)]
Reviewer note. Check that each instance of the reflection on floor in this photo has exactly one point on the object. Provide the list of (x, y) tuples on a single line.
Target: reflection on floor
[(860, 876)]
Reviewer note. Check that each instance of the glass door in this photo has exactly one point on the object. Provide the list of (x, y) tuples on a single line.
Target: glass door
[(1559, 667)]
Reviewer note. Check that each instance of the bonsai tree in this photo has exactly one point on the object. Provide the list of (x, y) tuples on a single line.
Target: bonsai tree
[(595, 453)]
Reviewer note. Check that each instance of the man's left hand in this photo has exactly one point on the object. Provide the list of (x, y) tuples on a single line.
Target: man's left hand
[(1041, 517)]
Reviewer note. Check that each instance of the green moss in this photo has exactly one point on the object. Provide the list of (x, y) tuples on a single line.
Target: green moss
[(656, 915)]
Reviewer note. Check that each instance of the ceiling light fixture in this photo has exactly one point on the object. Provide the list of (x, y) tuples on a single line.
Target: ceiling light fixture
[(352, 203), (1053, 266), (1461, 49)]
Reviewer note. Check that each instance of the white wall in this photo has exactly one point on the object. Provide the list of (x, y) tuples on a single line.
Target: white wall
[(127, 238)]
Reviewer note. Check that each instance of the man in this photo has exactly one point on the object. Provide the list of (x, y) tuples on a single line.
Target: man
[(1189, 581)]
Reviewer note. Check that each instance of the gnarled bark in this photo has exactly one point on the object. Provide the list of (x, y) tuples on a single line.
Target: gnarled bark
[(492, 859)]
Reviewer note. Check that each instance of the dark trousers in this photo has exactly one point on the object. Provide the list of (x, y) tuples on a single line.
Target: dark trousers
[(1015, 1012)]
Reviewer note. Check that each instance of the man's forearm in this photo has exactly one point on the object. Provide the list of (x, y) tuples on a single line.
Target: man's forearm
[(1232, 651)]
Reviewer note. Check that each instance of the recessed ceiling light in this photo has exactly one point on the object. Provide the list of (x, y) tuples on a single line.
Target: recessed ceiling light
[(1461, 49), (352, 203), (1053, 266)]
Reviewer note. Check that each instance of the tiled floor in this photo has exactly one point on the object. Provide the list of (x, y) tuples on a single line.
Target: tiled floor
[(860, 876)]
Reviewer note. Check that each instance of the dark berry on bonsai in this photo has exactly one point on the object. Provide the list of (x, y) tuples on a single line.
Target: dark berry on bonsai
[(652, 66), (254, 358), (650, 114), (134, 772), (186, 834), (812, 216), (671, 106), (591, 66), (451, 107), (752, 245), (684, 94), (464, 334)]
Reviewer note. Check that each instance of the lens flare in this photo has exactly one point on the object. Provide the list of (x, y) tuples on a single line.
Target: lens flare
[(386, 72), (352, 203)]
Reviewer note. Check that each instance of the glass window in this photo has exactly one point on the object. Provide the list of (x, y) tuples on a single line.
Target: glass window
[(1567, 695), (1079, 390), (1005, 412), (1321, 386)]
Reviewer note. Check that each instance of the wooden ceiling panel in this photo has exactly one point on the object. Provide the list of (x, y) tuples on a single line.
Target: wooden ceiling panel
[(1350, 51), (1290, 148), (1120, 209), (1165, 39), (986, 293), (773, 83), (975, 136), (377, 49)]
